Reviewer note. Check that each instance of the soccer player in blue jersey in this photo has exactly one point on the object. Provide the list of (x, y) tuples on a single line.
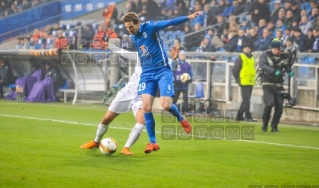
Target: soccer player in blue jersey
[(156, 73)]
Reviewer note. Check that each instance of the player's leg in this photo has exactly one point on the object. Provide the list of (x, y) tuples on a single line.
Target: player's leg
[(120, 104), (136, 131), (101, 130), (166, 94), (147, 89)]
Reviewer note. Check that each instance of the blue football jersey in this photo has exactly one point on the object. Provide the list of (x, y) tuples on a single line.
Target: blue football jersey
[(149, 44)]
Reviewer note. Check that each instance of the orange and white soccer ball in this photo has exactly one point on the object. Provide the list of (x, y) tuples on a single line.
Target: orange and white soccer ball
[(108, 146), (184, 77)]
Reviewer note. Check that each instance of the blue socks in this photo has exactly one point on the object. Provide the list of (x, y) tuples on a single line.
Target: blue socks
[(150, 126), (174, 111)]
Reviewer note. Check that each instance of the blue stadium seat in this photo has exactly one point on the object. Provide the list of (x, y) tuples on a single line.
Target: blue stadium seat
[(234, 58), (161, 32), (306, 60)]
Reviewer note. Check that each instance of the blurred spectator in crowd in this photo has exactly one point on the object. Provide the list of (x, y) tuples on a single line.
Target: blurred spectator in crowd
[(216, 41), (263, 42), (188, 39), (221, 25), (137, 6), (239, 7), (253, 37), (295, 10), (164, 14), (294, 23), (61, 42), (36, 34), (197, 38), (179, 86), (280, 25), (287, 5), (305, 25), (11, 10), (99, 40), (200, 18), (178, 45), (56, 27), (249, 23), (313, 4), (262, 24), (26, 44), (285, 35), (128, 8), (209, 16), (33, 44), (281, 15), (87, 36), (19, 43), (110, 33), (182, 7), (243, 39), (150, 9), (221, 6), (229, 9), (289, 18), (315, 47), (230, 46), (300, 39), (206, 45), (224, 36), (314, 17), (110, 13), (259, 9), (274, 13), (279, 35), (49, 29), (6, 75), (289, 47), (271, 28), (232, 27), (310, 40), (232, 22)]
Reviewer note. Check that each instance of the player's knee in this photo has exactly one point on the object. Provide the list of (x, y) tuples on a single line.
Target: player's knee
[(147, 108), (166, 105)]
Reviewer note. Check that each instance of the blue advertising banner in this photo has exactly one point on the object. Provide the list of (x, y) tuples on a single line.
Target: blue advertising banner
[(74, 8)]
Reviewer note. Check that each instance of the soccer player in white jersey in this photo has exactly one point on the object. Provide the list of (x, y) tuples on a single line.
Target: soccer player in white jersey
[(125, 99)]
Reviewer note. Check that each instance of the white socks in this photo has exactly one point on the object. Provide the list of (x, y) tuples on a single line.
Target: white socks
[(101, 130), (134, 135)]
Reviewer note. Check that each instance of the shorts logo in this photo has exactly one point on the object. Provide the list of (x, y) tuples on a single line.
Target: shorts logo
[(145, 35), (169, 88)]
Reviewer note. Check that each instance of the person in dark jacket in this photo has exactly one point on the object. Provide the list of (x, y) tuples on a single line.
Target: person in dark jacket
[(244, 73), (6, 75)]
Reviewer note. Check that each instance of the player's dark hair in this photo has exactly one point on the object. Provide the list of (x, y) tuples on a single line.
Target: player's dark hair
[(131, 17)]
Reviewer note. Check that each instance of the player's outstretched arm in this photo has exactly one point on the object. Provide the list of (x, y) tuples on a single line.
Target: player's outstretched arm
[(176, 21)]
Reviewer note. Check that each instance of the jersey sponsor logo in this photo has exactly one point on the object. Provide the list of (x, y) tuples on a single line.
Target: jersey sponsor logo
[(144, 50), (145, 35)]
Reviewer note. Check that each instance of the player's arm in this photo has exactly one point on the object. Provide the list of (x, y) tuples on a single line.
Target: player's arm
[(158, 25)]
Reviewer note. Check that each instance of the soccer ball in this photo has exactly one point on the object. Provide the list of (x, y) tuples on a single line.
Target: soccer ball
[(184, 77), (108, 146)]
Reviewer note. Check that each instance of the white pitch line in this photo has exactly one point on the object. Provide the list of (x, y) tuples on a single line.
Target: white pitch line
[(123, 128)]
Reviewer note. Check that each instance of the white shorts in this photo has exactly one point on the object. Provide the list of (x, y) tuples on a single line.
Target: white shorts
[(136, 104), (125, 100), (122, 101)]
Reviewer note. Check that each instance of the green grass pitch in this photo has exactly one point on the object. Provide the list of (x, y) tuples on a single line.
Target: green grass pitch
[(40, 147)]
